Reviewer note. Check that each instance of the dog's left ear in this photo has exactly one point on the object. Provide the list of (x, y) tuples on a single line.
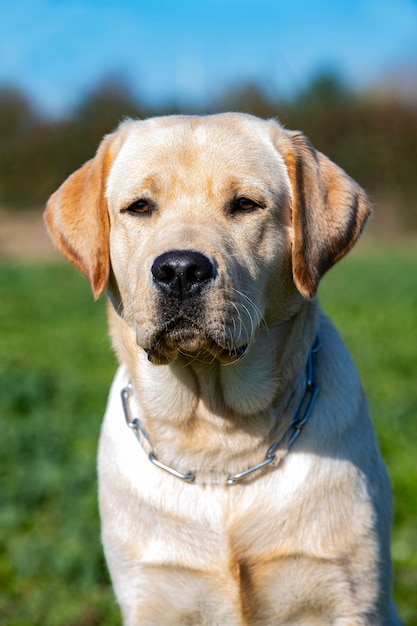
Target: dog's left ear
[(329, 211), (77, 219)]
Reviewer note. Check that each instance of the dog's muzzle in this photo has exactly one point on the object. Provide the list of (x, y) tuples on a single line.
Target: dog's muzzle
[(182, 278)]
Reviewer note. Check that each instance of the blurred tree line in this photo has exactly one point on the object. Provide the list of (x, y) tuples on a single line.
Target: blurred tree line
[(373, 138)]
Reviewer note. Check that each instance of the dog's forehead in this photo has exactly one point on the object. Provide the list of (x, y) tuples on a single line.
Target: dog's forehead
[(219, 145), (176, 132)]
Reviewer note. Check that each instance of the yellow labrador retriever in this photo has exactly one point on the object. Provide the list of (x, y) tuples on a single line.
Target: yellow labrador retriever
[(240, 480)]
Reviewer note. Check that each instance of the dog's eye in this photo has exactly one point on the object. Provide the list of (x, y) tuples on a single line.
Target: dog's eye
[(139, 207), (244, 204)]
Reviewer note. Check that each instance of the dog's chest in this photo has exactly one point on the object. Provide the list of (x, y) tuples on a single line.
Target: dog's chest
[(245, 554), (233, 559)]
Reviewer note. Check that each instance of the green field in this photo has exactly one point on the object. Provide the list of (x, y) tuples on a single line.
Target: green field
[(55, 368)]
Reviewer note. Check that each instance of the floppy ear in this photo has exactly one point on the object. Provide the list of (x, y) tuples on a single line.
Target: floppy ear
[(329, 212), (77, 219)]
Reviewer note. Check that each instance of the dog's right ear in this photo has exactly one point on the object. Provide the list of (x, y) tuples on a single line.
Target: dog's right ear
[(77, 219)]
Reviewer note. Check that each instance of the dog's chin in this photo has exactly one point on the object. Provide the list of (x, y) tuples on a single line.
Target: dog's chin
[(193, 345)]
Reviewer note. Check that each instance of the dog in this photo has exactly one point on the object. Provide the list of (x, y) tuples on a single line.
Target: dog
[(240, 482)]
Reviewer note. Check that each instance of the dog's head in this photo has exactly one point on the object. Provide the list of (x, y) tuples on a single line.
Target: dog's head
[(204, 228)]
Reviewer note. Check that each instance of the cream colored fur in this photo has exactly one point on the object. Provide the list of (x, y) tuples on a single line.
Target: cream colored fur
[(303, 543)]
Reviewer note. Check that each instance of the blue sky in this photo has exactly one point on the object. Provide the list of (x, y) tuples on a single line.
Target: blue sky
[(191, 50)]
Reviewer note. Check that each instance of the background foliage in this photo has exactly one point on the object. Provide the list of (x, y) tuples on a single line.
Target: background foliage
[(373, 138)]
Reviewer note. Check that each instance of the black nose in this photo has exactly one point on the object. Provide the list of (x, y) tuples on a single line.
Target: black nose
[(182, 273)]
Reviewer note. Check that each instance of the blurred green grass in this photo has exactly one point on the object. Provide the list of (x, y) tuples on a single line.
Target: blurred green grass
[(55, 369)]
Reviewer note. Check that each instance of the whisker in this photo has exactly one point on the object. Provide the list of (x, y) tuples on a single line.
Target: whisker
[(259, 315)]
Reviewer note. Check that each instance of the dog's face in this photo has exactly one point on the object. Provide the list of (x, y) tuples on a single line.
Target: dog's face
[(204, 229), (200, 232)]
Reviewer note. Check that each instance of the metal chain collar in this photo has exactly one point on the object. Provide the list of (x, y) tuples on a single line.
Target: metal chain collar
[(301, 417)]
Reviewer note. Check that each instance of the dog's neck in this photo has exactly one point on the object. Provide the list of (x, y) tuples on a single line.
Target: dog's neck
[(200, 407)]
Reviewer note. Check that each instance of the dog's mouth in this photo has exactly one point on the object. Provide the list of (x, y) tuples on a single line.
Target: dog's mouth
[(183, 337)]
